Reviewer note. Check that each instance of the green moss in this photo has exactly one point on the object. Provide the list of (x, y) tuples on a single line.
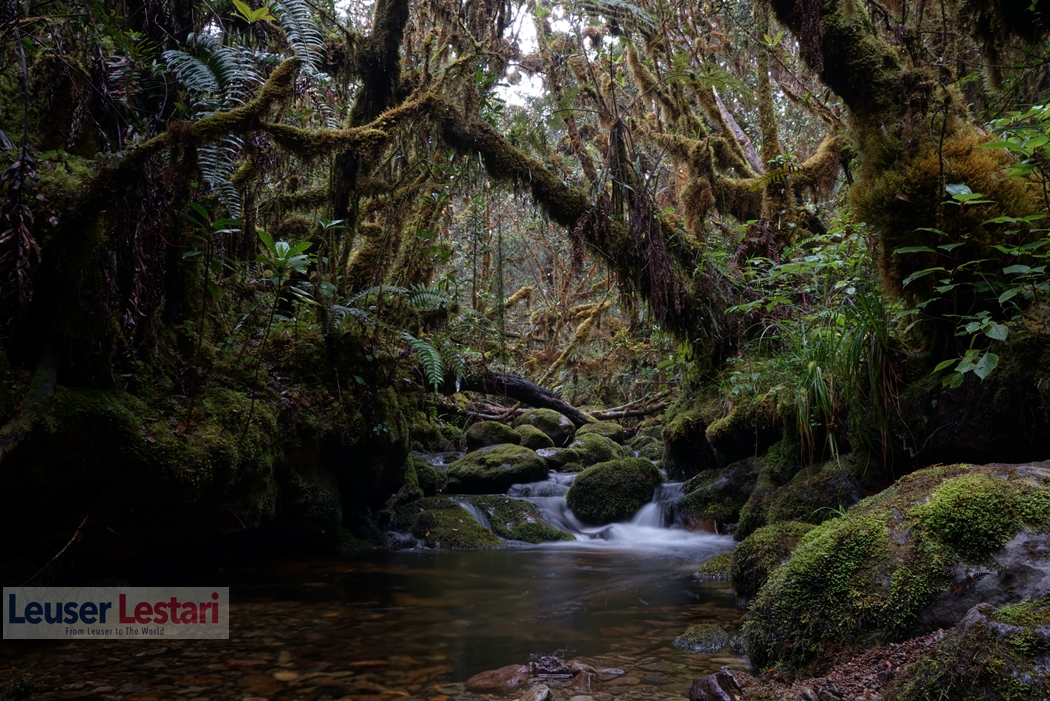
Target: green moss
[(612, 491), (534, 438), (557, 427), (517, 519), (611, 430), (592, 448), (748, 430), (494, 469), (442, 523), (983, 658), (1030, 612), (761, 553), (865, 577), (703, 638), (814, 499), (486, 433), (717, 567)]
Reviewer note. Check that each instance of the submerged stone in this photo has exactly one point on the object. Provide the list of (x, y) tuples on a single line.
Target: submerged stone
[(703, 637)]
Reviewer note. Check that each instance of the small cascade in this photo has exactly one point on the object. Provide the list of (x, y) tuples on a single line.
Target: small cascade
[(439, 460), (479, 515)]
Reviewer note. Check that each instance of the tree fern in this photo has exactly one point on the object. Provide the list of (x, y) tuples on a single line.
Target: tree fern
[(430, 357)]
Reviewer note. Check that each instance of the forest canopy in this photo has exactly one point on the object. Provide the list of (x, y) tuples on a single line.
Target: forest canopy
[(807, 209)]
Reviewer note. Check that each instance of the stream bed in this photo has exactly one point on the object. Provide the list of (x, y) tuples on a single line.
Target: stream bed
[(418, 623)]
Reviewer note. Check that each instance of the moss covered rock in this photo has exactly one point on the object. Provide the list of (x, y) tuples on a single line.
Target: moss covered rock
[(815, 499), (612, 491), (610, 429), (486, 433), (592, 448), (869, 576), (534, 438), (688, 451), (718, 495), (748, 431), (704, 638), (717, 567), (999, 654), (494, 469), (421, 474), (761, 553), (442, 523), (517, 519), (555, 425)]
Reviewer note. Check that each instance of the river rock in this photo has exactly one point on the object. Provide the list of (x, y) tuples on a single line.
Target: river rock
[(718, 494), (723, 685), (592, 448), (612, 491), (702, 637), (504, 680), (494, 469), (538, 693), (555, 425), (991, 654), (865, 578), (688, 452), (610, 429), (486, 433), (532, 437), (442, 523)]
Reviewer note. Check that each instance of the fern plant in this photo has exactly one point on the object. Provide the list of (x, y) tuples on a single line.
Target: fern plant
[(437, 362)]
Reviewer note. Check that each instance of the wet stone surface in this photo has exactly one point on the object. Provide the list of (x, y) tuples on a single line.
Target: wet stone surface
[(416, 626)]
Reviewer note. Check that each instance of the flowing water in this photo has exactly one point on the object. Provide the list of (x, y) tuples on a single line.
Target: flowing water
[(417, 623)]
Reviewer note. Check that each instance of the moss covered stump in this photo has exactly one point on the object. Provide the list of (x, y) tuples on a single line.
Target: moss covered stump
[(612, 491)]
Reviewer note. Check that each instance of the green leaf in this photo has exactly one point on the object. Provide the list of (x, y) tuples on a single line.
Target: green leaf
[(1017, 269), (988, 362), (951, 246), (268, 242), (995, 144), (954, 380), (945, 363), (957, 189), (1009, 294), (914, 249), (999, 332), (921, 273)]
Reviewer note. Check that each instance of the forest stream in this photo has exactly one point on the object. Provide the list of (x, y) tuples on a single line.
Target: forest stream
[(417, 623)]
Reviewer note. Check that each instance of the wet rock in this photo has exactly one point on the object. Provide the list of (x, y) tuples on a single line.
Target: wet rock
[(703, 637), (442, 523), (592, 449), (719, 494), (815, 499), (538, 693), (610, 673), (486, 433), (609, 429), (687, 450), (549, 664), (723, 685), (612, 491), (494, 469), (557, 427), (534, 438), (717, 567), (517, 519), (585, 681), (499, 681), (748, 430)]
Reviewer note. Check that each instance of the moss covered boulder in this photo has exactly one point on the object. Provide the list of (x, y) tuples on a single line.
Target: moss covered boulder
[(716, 496), (420, 473), (748, 430), (555, 425), (592, 448), (776, 468), (494, 469), (442, 523), (612, 491), (688, 451), (534, 438), (517, 519), (645, 447), (813, 498), (486, 433), (718, 567), (875, 574), (992, 654), (761, 553), (610, 429)]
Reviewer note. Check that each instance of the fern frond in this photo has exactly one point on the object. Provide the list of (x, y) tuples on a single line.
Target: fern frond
[(302, 32), (338, 312), (430, 357), (455, 363), (377, 292), (422, 297)]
